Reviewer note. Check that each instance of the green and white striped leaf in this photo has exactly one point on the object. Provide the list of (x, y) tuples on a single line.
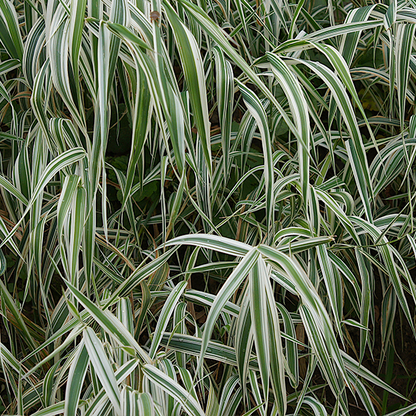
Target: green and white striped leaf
[(195, 79), (165, 314), (102, 367), (76, 379), (257, 111), (170, 386), (109, 323)]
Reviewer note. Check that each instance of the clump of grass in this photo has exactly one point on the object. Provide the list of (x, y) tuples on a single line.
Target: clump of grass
[(206, 208)]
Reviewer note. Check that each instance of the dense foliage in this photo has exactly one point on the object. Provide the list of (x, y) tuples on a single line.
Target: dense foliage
[(207, 208)]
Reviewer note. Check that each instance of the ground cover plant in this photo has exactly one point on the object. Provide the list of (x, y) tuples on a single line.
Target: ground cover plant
[(207, 208)]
